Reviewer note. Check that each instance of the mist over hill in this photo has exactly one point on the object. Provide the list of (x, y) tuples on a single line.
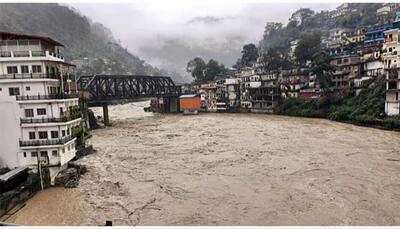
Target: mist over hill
[(168, 34)]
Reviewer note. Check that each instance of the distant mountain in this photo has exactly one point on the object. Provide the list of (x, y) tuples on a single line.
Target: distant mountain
[(91, 46)]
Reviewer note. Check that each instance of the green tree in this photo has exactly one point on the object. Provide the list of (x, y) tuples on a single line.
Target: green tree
[(302, 17), (308, 46), (197, 67), (322, 68), (212, 69), (249, 54), (274, 59)]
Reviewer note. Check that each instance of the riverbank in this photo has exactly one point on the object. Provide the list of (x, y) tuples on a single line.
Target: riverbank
[(230, 169), (365, 109)]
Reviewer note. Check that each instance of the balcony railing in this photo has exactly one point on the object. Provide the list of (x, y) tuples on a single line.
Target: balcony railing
[(30, 76), (5, 53), (38, 53), (56, 55), (44, 142), (21, 54), (28, 53), (46, 97), (46, 120)]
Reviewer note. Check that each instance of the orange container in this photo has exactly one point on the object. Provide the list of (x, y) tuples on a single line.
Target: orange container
[(189, 102)]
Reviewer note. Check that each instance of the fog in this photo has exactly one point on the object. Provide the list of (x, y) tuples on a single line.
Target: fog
[(168, 33)]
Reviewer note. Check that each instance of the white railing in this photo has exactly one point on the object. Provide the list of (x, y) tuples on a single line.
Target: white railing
[(29, 54)]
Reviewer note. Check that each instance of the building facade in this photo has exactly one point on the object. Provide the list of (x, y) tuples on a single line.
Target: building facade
[(39, 108)]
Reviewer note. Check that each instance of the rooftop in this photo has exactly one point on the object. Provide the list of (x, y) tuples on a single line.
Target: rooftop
[(188, 96), (20, 36)]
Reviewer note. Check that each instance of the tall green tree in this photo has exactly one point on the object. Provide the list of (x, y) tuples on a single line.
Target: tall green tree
[(197, 68), (302, 17), (274, 59), (322, 68), (308, 46), (202, 71), (249, 56), (213, 68)]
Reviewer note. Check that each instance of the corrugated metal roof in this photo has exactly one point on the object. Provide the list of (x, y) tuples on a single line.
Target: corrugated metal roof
[(12, 173), (188, 96)]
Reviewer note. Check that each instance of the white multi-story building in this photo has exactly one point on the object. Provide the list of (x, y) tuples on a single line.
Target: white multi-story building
[(39, 110), (391, 61)]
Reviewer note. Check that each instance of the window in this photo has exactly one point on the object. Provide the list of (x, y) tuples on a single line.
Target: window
[(63, 133), (27, 88), (33, 154), (13, 91), (24, 154), (42, 134), (68, 131), (54, 134), (61, 111), (43, 153), (12, 69), (41, 111), (28, 113), (54, 153), (0, 88), (392, 85), (24, 69), (36, 68), (32, 135)]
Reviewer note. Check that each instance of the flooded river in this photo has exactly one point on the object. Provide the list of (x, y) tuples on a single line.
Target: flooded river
[(228, 169)]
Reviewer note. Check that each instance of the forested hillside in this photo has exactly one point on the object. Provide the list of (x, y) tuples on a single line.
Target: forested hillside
[(89, 45)]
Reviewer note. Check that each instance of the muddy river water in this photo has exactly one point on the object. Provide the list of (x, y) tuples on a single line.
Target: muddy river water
[(228, 169)]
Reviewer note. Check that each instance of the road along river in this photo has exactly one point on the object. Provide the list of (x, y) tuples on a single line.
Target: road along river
[(228, 169)]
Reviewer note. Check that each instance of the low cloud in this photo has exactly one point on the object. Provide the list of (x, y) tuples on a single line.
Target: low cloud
[(207, 20)]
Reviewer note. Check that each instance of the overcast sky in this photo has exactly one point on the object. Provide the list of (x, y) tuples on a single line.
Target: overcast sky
[(167, 33)]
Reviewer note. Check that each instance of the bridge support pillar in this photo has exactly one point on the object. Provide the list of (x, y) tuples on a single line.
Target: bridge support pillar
[(105, 115)]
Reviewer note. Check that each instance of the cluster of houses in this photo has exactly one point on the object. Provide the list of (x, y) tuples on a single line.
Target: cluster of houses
[(360, 56)]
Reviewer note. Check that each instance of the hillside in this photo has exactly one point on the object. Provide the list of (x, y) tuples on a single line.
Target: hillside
[(277, 35), (89, 45)]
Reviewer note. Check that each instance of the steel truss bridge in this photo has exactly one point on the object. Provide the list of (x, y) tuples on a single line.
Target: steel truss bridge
[(101, 90)]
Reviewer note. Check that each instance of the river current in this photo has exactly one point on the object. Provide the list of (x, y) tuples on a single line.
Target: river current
[(228, 169)]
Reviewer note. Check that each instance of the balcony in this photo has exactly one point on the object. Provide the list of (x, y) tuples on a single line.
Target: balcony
[(38, 53), (47, 120), (45, 142), (29, 54), (46, 97), (31, 76)]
